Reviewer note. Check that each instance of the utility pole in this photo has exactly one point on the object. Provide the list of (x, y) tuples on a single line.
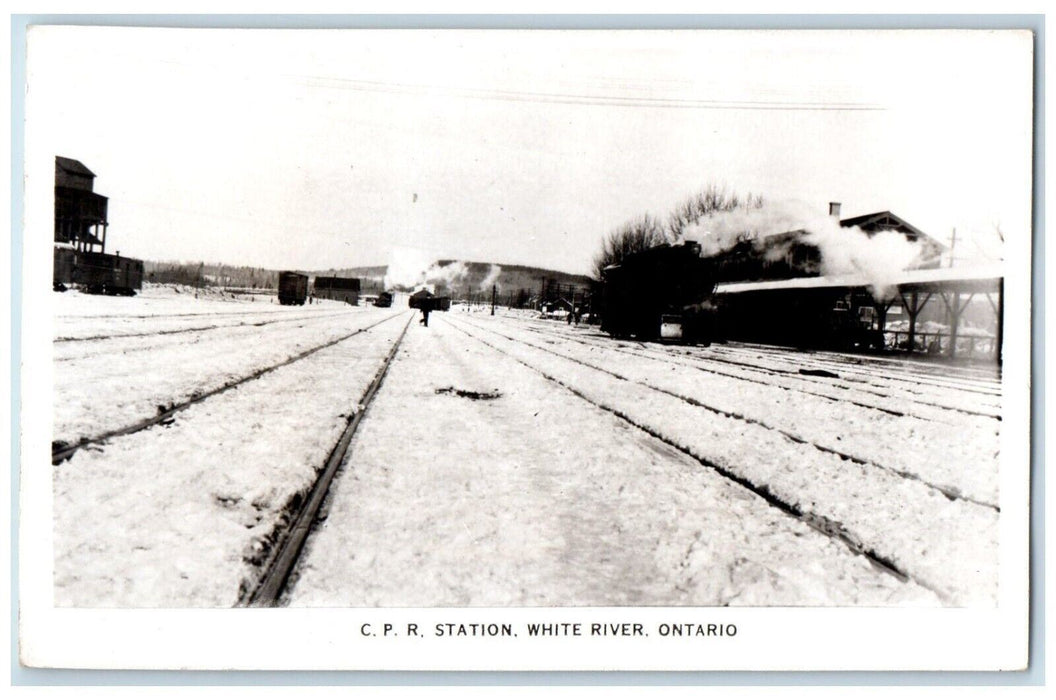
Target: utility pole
[(953, 244), (493, 300)]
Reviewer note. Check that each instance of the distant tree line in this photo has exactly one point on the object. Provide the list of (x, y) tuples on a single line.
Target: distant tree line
[(200, 274), (647, 231)]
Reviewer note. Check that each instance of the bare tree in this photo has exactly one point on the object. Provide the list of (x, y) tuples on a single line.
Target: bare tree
[(640, 234), (708, 201)]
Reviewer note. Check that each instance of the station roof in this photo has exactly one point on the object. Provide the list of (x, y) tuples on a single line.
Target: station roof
[(877, 221), (886, 220), (979, 279)]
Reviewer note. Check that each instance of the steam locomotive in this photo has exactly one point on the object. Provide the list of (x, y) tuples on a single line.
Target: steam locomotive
[(663, 293)]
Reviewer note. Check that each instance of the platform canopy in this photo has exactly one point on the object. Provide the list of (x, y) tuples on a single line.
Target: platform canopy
[(978, 280)]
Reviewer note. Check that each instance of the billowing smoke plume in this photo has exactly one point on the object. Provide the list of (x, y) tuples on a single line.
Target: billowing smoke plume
[(490, 279), (411, 269), (445, 276), (877, 257), (407, 268), (721, 230)]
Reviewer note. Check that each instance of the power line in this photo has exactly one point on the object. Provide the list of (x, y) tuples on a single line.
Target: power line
[(580, 98), (569, 98)]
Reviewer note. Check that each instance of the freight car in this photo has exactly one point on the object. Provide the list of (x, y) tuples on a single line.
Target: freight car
[(786, 312), (384, 300), (344, 289), (663, 293), (97, 273), (293, 288)]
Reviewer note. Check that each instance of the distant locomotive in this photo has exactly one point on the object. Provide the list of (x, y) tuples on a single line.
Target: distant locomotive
[(97, 273), (384, 300), (663, 293), (344, 289), (293, 288), (423, 299)]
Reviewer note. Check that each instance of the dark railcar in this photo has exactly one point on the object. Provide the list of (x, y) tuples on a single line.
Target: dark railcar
[(384, 300), (293, 288), (97, 273), (344, 289), (833, 318), (664, 293), (424, 299)]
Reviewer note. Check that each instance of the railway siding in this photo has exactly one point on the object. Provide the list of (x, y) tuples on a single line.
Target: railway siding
[(180, 514), (507, 490), (948, 545), (933, 452), (152, 383), (899, 393)]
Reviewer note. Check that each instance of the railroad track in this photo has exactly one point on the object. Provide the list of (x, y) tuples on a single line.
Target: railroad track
[(796, 377), (294, 530), (923, 375), (61, 452), (196, 329), (944, 490), (820, 523), (821, 502), (158, 316), (980, 382), (160, 340), (896, 364)]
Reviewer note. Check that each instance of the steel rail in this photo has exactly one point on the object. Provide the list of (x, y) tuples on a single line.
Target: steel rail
[(822, 524), (949, 493), (276, 572), (194, 329), (61, 453)]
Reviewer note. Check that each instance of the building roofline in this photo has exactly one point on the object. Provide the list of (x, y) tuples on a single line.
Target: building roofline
[(72, 166)]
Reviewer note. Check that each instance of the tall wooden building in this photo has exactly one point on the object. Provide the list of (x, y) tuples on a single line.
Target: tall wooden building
[(80, 213), (80, 237)]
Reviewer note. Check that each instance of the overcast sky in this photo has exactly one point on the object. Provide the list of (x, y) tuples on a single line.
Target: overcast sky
[(320, 149)]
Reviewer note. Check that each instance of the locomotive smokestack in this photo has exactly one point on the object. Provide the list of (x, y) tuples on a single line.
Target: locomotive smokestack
[(834, 209)]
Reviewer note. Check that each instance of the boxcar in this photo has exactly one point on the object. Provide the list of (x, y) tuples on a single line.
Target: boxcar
[(97, 273), (344, 289), (664, 293), (293, 288)]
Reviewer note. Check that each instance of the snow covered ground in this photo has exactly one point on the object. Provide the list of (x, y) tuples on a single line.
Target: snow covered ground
[(538, 498), (508, 461), (177, 514)]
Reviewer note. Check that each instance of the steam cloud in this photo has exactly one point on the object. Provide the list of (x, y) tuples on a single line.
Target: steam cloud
[(877, 257), (491, 278), (411, 269)]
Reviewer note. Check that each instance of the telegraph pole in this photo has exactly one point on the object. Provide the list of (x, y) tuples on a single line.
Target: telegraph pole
[(493, 300)]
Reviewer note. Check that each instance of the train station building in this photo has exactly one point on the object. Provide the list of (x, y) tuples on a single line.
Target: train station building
[(782, 296)]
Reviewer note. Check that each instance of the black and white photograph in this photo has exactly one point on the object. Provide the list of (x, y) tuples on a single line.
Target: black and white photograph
[(526, 349)]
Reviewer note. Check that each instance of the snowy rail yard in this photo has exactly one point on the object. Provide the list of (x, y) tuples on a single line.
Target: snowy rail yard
[(505, 461)]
